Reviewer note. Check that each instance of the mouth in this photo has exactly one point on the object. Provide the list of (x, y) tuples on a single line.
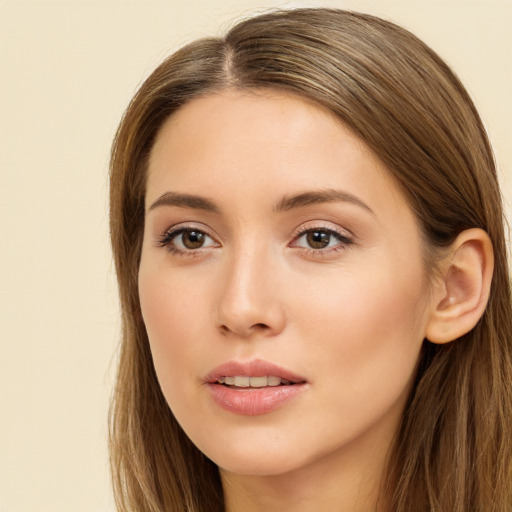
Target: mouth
[(246, 381), (255, 373), (254, 387)]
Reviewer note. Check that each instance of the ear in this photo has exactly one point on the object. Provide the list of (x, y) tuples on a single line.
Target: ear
[(462, 292)]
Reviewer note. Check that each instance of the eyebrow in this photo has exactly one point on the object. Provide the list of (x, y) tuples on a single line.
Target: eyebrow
[(185, 201), (317, 197), (287, 203)]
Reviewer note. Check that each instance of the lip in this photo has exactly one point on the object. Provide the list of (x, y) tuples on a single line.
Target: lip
[(254, 368), (254, 401)]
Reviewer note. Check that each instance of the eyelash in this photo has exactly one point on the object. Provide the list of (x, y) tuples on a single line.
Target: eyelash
[(344, 240), (170, 235)]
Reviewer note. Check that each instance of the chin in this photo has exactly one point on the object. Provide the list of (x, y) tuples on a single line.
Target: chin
[(257, 465), (255, 458)]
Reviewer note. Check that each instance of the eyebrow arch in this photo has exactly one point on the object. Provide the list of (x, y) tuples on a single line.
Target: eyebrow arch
[(185, 201), (317, 197)]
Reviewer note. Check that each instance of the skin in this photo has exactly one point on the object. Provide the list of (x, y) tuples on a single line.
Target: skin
[(350, 317)]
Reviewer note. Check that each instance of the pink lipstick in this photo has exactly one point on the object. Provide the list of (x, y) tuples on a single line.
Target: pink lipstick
[(253, 387)]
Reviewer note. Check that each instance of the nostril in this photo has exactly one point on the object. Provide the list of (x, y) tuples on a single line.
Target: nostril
[(260, 326), (224, 329)]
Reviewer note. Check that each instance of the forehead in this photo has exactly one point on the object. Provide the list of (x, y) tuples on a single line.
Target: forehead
[(262, 143), (225, 122)]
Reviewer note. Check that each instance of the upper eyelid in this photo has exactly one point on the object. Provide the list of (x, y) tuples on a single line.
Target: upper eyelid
[(184, 226), (325, 225)]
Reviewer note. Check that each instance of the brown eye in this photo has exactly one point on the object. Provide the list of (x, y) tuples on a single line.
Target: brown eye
[(186, 240), (318, 239), (193, 239), (322, 240)]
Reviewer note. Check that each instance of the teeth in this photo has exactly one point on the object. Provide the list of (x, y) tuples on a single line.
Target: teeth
[(244, 381), (258, 382), (273, 381)]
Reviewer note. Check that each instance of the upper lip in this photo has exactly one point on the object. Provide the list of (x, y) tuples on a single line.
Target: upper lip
[(252, 368)]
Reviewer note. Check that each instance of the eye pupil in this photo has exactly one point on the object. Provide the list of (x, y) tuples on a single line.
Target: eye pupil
[(318, 239), (193, 239)]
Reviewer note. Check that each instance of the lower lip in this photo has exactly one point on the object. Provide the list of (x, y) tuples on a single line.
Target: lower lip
[(253, 401)]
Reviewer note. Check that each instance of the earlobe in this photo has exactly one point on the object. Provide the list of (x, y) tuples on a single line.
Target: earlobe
[(463, 291)]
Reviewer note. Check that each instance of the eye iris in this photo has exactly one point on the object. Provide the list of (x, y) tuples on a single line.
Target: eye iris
[(193, 239), (318, 239)]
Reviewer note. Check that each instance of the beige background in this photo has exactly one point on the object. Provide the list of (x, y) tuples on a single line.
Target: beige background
[(67, 71)]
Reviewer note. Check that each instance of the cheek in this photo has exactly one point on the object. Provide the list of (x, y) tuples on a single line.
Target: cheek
[(370, 324), (172, 320), (363, 349)]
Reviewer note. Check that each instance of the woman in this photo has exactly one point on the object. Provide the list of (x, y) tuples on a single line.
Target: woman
[(308, 236)]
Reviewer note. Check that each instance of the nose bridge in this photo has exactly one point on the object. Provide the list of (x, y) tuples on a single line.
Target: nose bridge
[(249, 300)]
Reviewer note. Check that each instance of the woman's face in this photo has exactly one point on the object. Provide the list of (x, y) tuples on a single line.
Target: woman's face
[(282, 284)]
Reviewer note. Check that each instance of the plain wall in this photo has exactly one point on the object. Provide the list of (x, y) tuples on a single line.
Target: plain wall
[(67, 71)]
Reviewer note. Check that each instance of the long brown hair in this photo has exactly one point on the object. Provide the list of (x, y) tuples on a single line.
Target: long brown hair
[(453, 452)]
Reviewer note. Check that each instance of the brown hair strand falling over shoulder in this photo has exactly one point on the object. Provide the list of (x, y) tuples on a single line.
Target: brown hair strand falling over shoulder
[(454, 450)]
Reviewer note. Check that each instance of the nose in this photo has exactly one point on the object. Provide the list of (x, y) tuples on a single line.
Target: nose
[(250, 300)]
